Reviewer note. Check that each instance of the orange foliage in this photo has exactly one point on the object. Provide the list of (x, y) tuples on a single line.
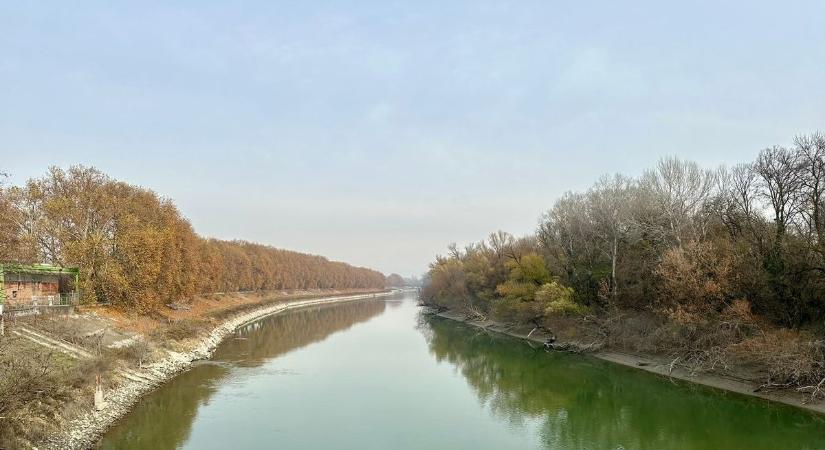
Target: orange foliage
[(134, 248), (694, 279)]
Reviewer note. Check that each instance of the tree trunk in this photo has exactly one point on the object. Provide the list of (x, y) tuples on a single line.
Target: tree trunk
[(613, 285)]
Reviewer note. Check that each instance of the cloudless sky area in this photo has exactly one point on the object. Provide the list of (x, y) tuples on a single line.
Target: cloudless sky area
[(377, 132)]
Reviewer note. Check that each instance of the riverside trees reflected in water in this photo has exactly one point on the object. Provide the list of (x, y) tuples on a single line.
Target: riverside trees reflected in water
[(377, 374), (587, 403), (164, 419), (259, 341)]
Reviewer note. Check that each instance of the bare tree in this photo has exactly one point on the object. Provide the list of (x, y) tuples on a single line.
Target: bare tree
[(781, 181), (682, 190), (453, 250), (565, 230), (743, 188), (811, 153), (736, 198), (501, 243), (609, 204)]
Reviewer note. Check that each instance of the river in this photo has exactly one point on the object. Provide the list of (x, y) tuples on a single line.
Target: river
[(376, 374)]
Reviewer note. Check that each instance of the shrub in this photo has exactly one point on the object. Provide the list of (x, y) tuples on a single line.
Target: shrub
[(137, 353), (558, 300), (695, 279), (181, 329), (34, 382)]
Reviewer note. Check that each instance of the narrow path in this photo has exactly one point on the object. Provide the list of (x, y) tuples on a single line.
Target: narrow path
[(62, 346), (144, 375)]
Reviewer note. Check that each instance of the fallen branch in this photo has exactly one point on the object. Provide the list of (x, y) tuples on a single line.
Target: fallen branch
[(476, 315), (773, 386), (672, 365), (815, 391)]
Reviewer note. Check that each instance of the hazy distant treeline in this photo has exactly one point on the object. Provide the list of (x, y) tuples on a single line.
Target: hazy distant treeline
[(135, 249)]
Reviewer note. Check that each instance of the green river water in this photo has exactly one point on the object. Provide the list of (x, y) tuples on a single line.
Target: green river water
[(376, 374)]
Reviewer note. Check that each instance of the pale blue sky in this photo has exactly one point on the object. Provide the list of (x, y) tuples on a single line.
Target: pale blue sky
[(378, 132)]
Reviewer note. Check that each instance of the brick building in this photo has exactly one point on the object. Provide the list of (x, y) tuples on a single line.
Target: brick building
[(24, 285)]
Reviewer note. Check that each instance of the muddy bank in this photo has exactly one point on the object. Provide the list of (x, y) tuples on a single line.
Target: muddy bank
[(649, 363), (83, 432)]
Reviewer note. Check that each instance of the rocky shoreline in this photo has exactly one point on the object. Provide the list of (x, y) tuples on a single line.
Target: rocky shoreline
[(84, 432), (650, 363)]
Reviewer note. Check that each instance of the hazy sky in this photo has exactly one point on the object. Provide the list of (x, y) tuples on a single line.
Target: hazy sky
[(377, 132)]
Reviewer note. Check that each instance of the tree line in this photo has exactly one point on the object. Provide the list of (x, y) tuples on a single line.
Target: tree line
[(134, 248), (680, 240)]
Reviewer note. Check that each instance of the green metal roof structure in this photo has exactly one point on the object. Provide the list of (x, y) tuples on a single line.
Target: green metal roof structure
[(36, 269)]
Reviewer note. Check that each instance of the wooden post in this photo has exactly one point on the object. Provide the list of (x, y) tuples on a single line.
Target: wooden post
[(99, 403), (2, 288)]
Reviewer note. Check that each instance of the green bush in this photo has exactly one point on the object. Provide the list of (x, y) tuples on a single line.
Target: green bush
[(558, 300)]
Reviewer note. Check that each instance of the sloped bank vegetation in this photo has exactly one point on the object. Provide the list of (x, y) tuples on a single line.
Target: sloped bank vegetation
[(718, 270)]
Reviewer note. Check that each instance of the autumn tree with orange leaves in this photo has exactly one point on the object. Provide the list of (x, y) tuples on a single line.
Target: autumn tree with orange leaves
[(134, 249)]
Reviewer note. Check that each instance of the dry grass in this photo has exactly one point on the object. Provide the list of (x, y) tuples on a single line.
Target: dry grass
[(137, 354), (35, 384), (791, 357), (180, 330), (61, 328), (41, 387), (630, 331), (732, 341)]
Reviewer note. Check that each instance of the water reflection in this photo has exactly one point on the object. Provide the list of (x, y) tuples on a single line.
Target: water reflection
[(583, 403), (164, 419), (380, 385), (181, 398), (274, 336)]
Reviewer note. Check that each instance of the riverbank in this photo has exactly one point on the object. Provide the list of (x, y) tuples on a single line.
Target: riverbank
[(133, 383), (381, 376), (648, 363)]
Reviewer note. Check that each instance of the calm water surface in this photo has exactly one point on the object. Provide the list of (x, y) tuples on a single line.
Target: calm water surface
[(376, 375)]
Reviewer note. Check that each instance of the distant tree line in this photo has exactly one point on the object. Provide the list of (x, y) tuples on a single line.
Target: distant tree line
[(395, 280), (135, 249), (680, 240)]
